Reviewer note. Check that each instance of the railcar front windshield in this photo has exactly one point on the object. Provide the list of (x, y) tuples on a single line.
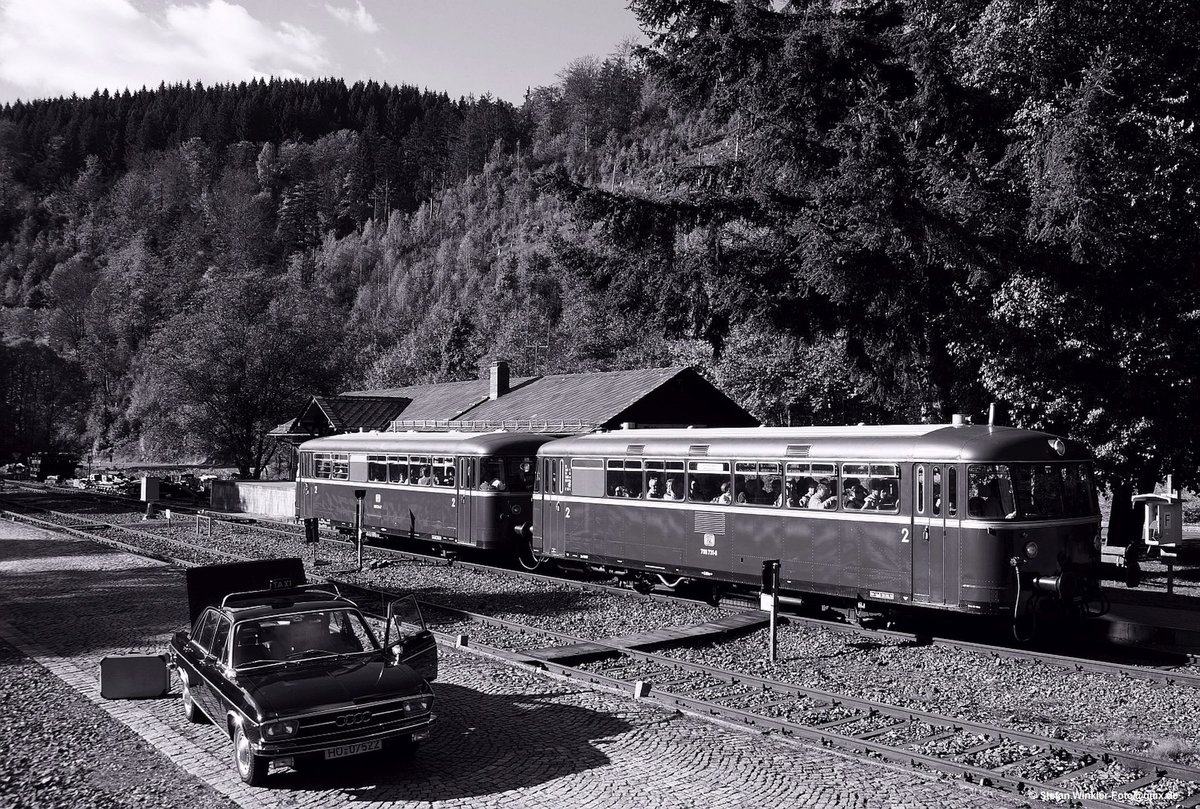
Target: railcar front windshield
[(509, 474), (1032, 491), (318, 633)]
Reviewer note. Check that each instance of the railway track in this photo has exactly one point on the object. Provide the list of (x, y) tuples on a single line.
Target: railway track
[(987, 754), (1168, 674)]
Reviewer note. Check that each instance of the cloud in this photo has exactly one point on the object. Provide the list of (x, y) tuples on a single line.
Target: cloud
[(359, 16), (51, 47)]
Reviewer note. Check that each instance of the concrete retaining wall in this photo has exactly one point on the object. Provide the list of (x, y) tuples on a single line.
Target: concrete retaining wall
[(269, 499)]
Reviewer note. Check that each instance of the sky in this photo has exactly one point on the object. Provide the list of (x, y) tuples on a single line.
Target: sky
[(59, 47)]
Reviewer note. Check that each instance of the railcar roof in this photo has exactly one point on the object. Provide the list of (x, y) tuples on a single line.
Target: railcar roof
[(449, 443), (875, 442)]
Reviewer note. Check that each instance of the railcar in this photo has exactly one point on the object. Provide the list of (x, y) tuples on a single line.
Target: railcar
[(453, 489), (972, 519)]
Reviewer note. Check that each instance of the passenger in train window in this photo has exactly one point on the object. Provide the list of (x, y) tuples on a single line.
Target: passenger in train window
[(823, 498), (672, 492), (652, 492), (749, 490), (873, 499), (774, 493), (620, 491), (723, 497), (854, 497), (426, 478), (498, 485)]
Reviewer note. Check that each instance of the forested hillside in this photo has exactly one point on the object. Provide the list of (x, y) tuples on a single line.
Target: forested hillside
[(843, 211)]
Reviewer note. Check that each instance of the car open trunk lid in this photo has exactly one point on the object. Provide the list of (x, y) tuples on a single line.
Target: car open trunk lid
[(209, 584)]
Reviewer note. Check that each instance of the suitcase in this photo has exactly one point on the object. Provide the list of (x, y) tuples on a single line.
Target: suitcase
[(134, 676)]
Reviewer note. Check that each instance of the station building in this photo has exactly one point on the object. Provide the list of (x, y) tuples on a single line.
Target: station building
[(557, 404)]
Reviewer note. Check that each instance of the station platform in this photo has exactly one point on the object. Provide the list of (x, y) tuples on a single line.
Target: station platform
[(1152, 619)]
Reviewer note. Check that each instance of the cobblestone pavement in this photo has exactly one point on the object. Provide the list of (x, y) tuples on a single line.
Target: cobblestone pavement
[(504, 737)]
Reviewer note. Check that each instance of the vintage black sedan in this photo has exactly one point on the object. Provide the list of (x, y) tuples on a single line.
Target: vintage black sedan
[(295, 673)]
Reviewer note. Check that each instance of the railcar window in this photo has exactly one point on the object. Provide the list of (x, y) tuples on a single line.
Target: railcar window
[(799, 484), (519, 473), (990, 490), (466, 476), (883, 488), (952, 491), (322, 465), (397, 468), (443, 471), (757, 483), (668, 480), (341, 467), (377, 468), (588, 475), (624, 479), (420, 470), (811, 485), (920, 490), (936, 490), (856, 478), (708, 482), (566, 478)]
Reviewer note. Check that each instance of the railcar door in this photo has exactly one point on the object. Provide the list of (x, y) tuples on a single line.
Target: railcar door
[(304, 498), (554, 510), (929, 534), (935, 534), (466, 483)]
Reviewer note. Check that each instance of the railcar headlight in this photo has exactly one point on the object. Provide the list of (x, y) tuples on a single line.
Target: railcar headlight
[(418, 705), (1097, 541), (1031, 550), (284, 729), (516, 509)]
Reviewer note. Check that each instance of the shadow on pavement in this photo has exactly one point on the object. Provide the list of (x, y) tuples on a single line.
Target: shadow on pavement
[(482, 744)]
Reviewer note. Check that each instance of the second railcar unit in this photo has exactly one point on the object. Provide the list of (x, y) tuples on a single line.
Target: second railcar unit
[(460, 489), (949, 517)]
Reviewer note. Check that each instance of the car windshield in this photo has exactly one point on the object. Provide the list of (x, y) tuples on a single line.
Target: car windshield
[(299, 635), (1032, 491)]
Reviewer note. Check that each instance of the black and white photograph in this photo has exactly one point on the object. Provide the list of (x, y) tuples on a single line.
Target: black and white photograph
[(573, 404)]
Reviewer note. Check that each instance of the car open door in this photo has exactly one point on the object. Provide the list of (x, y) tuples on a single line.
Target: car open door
[(409, 639)]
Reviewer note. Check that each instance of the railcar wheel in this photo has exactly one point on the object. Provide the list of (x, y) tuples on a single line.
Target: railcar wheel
[(192, 711), (251, 768)]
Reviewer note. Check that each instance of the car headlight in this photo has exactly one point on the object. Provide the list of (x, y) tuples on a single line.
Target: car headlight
[(418, 705), (284, 729), (1031, 550)]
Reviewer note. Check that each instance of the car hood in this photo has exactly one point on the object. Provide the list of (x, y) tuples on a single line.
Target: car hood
[(328, 684)]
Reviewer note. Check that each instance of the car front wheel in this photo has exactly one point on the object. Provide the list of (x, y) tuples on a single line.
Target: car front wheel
[(251, 768)]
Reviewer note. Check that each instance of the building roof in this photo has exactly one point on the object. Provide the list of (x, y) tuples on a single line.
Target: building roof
[(343, 414), (588, 398), (441, 401), (557, 404)]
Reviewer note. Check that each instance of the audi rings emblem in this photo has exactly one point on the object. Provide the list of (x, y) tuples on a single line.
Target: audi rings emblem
[(348, 720)]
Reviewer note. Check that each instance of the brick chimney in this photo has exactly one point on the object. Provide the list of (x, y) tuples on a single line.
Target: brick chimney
[(499, 385)]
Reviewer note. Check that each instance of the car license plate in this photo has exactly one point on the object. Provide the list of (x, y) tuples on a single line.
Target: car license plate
[(354, 749)]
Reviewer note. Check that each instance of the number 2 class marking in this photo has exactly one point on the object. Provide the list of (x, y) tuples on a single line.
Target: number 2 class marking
[(903, 535), (568, 516)]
